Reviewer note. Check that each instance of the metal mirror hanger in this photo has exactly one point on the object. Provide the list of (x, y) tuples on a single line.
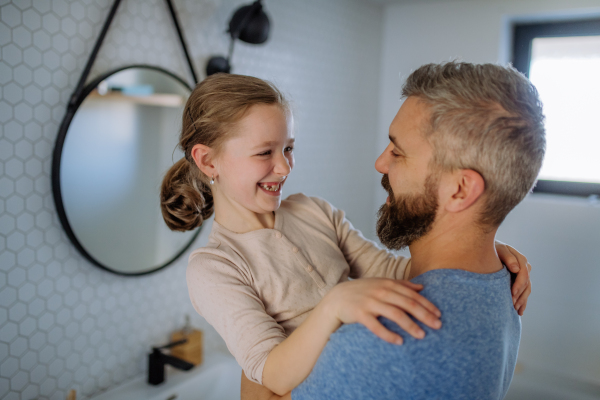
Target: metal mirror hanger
[(78, 96)]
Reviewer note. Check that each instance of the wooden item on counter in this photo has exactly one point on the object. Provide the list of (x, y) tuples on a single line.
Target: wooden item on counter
[(191, 351)]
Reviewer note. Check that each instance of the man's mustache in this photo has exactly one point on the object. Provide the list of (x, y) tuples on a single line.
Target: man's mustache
[(385, 182)]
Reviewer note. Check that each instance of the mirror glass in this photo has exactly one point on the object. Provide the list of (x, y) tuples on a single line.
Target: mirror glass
[(119, 144)]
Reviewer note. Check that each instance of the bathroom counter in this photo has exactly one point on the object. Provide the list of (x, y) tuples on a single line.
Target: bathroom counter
[(217, 378)]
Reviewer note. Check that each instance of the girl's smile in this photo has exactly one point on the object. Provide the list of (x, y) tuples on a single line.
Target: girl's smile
[(272, 188)]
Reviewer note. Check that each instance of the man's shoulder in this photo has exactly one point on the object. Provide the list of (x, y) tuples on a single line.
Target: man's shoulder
[(477, 311), (455, 288), (478, 343)]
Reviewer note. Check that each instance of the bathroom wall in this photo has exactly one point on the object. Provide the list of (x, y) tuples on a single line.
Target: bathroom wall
[(559, 234), (65, 324)]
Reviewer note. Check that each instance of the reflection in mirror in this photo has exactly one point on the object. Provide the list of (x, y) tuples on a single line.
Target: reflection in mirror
[(118, 146)]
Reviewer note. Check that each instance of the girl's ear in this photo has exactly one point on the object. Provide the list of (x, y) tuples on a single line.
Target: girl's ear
[(203, 157)]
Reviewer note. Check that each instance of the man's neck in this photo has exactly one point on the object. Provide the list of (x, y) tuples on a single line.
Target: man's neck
[(466, 249)]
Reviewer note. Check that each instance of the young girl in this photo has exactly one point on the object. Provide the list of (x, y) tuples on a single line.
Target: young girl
[(273, 278)]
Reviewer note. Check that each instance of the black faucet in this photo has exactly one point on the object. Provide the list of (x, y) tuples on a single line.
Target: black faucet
[(157, 360)]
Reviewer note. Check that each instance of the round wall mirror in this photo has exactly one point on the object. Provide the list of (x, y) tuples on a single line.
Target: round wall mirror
[(113, 148)]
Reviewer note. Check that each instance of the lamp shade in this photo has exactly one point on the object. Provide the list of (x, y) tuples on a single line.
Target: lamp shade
[(250, 24)]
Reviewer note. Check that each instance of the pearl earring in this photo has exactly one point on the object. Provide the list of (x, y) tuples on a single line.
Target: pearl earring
[(212, 180)]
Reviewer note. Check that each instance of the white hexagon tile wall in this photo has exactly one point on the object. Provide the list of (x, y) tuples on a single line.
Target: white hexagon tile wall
[(65, 324)]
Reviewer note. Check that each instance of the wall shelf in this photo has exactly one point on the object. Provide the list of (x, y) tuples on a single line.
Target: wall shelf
[(157, 99)]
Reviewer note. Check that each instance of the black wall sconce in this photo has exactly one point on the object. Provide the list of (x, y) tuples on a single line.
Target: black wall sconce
[(249, 24)]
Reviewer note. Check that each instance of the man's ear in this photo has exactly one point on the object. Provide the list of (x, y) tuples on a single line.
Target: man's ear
[(203, 157), (466, 186)]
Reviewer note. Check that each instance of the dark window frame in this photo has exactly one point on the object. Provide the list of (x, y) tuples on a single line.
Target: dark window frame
[(523, 35)]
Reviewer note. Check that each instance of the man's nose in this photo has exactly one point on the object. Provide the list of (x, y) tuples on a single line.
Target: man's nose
[(282, 165), (381, 164)]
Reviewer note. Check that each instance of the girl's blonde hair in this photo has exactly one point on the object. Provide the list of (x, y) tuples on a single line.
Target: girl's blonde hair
[(212, 110)]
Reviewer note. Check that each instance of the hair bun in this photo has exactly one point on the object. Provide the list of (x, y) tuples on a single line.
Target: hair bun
[(183, 204)]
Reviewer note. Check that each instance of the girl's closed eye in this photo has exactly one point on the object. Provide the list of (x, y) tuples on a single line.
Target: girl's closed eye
[(288, 149)]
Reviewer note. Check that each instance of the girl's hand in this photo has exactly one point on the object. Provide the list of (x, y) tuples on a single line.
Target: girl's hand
[(517, 264), (363, 300)]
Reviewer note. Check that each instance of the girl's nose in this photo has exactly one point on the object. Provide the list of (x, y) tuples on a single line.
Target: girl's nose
[(282, 165)]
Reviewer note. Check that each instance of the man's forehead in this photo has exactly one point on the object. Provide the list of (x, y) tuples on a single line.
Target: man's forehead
[(411, 120)]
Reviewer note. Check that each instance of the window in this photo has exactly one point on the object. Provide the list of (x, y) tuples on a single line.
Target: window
[(562, 59)]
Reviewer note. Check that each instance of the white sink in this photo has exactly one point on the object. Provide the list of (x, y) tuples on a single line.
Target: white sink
[(218, 378)]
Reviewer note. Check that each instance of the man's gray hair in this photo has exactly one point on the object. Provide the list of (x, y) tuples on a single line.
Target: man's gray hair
[(487, 118)]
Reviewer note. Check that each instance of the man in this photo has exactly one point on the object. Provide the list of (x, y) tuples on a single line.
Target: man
[(465, 148)]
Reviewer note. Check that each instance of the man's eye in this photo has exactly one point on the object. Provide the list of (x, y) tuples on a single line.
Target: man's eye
[(266, 153), (396, 155), (289, 149)]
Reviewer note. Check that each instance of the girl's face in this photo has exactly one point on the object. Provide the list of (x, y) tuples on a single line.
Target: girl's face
[(255, 163)]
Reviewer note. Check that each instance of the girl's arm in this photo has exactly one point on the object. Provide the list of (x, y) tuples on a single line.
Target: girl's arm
[(363, 301), (253, 391), (517, 264), (358, 301), (366, 259), (221, 291)]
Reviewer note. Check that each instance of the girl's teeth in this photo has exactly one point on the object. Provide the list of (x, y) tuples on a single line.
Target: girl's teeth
[(270, 188)]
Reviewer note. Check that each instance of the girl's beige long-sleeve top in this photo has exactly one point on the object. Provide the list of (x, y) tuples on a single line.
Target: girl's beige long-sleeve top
[(255, 288)]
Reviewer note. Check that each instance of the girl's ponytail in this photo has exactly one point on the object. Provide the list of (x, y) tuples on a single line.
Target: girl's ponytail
[(185, 201)]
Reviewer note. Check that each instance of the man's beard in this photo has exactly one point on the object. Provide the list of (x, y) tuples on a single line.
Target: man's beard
[(407, 217)]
